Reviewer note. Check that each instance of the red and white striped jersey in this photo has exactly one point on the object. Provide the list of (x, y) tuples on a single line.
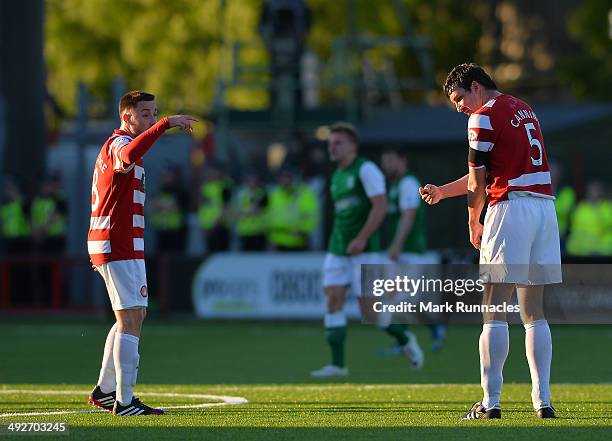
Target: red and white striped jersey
[(508, 129), (116, 228)]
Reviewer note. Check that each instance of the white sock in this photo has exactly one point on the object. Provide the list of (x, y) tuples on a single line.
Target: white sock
[(493, 347), (384, 319), (334, 319), (106, 380), (126, 356), (538, 348), (137, 362)]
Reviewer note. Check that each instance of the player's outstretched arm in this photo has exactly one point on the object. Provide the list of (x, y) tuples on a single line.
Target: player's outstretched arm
[(184, 122), (137, 148), (432, 194)]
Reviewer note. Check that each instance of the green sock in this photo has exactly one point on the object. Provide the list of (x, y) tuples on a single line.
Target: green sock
[(398, 331), (335, 338)]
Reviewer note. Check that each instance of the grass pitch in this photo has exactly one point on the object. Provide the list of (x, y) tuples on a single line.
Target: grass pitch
[(268, 364)]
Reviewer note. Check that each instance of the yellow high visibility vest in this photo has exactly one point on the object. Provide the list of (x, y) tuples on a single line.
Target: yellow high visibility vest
[(211, 207), (166, 215), (564, 204), (43, 210), (591, 229), (292, 215), (251, 224), (14, 220)]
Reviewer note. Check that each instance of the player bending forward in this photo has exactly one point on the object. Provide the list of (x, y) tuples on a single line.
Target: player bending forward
[(360, 205), (520, 236), (116, 245)]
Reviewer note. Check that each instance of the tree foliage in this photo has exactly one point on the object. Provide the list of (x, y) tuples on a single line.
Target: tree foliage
[(589, 71), (180, 49), (173, 49)]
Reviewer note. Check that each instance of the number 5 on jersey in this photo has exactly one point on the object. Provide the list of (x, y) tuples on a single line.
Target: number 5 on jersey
[(534, 142)]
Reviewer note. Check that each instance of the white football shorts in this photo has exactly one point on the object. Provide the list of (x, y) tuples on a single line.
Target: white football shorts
[(520, 243), (126, 283), (346, 270)]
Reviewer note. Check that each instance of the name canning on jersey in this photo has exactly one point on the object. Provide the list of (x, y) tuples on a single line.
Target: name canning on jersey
[(480, 130), (521, 115)]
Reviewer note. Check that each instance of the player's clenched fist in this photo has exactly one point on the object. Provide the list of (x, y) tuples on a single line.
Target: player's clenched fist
[(182, 121), (431, 194)]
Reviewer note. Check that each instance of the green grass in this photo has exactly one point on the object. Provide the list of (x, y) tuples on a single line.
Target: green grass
[(268, 364)]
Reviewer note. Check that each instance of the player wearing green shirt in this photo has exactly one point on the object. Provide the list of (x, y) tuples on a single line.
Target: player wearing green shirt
[(405, 223), (360, 204), (405, 212)]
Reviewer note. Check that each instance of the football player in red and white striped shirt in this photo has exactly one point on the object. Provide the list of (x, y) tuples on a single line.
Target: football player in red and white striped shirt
[(116, 244), (519, 242)]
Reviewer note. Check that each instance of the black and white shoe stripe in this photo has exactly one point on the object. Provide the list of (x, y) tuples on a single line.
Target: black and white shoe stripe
[(131, 410), (107, 401), (546, 411), (101, 399), (479, 412), (136, 407)]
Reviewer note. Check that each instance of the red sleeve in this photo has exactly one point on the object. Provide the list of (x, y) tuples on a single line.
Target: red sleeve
[(132, 152)]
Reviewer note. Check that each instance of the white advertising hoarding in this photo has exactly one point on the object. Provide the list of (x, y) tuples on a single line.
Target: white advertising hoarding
[(262, 286)]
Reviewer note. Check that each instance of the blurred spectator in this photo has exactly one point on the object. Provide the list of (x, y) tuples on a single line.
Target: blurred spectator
[(292, 213), (591, 224), (251, 207), (48, 217), (284, 26), (215, 206), (16, 240), (48, 214), (565, 203), (168, 211), (16, 232)]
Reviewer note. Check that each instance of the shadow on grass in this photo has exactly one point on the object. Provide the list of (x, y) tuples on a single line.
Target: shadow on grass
[(479, 430)]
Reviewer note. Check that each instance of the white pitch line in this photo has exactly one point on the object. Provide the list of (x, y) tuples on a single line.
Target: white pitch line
[(224, 401)]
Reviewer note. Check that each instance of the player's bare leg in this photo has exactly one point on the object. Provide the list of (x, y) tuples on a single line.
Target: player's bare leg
[(538, 347), (494, 343), (129, 321), (335, 331)]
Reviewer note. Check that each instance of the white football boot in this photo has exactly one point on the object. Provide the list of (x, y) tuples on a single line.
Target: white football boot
[(413, 351), (330, 371)]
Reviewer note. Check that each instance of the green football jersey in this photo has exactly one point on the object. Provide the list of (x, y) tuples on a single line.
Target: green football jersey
[(351, 208), (416, 241)]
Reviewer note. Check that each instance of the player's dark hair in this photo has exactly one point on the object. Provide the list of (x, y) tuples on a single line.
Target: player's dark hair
[(346, 128), (395, 149), (130, 99), (463, 75)]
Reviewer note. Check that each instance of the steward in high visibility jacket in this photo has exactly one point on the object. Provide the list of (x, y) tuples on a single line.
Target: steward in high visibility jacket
[(565, 203), (251, 211), (15, 226), (16, 239), (48, 214), (591, 225), (293, 213), (214, 209), (168, 210)]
